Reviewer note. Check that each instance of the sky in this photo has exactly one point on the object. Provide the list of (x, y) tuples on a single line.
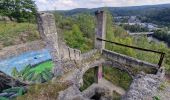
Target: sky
[(72, 4)]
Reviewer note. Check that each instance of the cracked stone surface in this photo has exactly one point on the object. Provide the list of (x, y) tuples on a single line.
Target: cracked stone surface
[(143, 87)]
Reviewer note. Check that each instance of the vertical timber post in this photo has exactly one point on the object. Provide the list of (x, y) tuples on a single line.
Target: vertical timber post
[(100, 30), (48, 32), (100, 45)]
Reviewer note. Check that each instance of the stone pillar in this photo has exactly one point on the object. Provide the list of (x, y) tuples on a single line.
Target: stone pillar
[(48, 32), (98, 73), (100, 30)]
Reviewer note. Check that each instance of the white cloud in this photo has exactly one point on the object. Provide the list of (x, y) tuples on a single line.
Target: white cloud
[(71, 4), (42, 1)]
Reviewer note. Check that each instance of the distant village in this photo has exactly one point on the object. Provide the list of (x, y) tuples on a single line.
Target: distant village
[(133, 20), (149, 29)]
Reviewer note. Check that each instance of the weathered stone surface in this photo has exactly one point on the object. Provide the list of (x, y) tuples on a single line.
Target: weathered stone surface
[(70, 94), (164, 91), (15, 50), (59, 51), (100, 29), (48, 32), (126, 60), (143, 87), (7, 81), (4, 18), (73, 93), (97, 89), (89, 54)]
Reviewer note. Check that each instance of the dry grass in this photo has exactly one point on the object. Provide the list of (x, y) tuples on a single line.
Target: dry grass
[(46, 91), (13, 33)]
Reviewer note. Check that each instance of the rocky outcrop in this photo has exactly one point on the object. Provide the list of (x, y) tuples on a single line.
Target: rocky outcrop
[(70, 94), (7, 81), (143, 87), (95, 92), (4, 18)]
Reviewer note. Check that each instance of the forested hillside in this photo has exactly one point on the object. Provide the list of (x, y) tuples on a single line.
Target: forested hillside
[(121, 11), (158, 14)]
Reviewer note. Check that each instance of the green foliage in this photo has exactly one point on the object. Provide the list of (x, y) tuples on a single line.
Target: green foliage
[(43, 66), (116, 96), (74, 38), (18, 90), (162, 35), (38, 74), (134, 28), (78, 31), (3, 98), (160, 17), (15, 72), (109, 26), (22, 10), (86, 26), (88, 79), (156, 98), (117, 77), (44, 91), (162, 86), (123, 50)]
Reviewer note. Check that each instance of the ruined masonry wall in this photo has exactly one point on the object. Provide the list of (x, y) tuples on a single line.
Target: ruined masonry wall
[(68, 53), (15, 50), (126, 60)]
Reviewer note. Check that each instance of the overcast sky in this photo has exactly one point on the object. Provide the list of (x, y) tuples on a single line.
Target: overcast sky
[(71, 4)]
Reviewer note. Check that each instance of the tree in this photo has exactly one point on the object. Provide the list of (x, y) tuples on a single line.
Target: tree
[(6, 7), (162, 35), (75, 39), (21, 10), (86, 22)]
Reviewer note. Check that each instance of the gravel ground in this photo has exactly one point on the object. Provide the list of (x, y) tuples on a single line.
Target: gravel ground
[(164, 91)]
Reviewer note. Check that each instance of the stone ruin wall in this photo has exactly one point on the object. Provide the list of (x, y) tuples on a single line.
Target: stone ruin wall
[(15, 50), (68, 53), (65, 51), (60, 51), (126, 60)]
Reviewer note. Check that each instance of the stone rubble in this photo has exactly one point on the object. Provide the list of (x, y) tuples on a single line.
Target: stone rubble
[(143, 87)]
